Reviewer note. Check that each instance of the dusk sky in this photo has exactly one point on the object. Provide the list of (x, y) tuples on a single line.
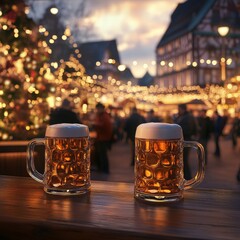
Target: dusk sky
[(137, 25)]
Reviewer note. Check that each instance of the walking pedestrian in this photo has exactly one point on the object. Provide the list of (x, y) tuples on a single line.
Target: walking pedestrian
[(235, 132), (102, 124), (218, 126), (130, 127), (151, 117), (204, 131), (188, 123), (64, 114)]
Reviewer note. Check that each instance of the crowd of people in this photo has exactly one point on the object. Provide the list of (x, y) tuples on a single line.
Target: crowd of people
[(110, 129)]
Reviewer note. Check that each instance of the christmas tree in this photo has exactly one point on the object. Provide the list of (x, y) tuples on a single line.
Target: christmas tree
[(23, 66)]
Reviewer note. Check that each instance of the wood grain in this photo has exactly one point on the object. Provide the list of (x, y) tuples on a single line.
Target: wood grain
[(109, 211)]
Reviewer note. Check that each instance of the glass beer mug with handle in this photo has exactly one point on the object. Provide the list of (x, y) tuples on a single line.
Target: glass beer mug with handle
[(67, 159), (159, 163)]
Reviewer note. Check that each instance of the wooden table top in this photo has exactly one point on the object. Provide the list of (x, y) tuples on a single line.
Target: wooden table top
[(109, 211)]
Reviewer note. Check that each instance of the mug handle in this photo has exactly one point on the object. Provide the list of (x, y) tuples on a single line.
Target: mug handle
[(201, 164), (30, 159)]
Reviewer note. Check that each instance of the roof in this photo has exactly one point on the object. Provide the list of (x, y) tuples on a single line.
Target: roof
[(93, 52), (126, 75), (185, 18), (146, 80)]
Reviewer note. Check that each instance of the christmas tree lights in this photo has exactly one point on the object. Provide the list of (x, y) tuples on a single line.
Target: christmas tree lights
[(23, 89)]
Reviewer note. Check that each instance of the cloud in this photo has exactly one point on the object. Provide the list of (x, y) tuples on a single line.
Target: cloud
[(138, 25)]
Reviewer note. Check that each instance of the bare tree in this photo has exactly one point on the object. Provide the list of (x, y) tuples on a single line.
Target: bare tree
[(79, 20), (72, 14)]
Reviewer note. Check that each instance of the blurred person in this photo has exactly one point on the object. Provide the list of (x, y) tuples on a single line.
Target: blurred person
[(64, 114), (117, 128), (103, 126), (225, 119), (130, 127), (188, 123), (218, 126), (151, 117), (236, 135), (204, 130), (235, 131)]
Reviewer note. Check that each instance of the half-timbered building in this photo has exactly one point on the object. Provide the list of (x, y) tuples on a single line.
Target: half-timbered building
[(192, 52)]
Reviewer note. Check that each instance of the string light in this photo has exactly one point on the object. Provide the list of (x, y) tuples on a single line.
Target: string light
[(54, 10), (121, 68)]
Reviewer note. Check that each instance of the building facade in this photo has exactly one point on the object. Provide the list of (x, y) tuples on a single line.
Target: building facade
[(192, 52)]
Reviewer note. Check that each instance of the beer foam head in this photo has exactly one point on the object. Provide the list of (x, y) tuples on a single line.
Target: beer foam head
[(67, 130), (153, 130)]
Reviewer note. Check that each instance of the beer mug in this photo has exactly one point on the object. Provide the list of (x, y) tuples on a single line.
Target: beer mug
[(159, 163), (67, 159)]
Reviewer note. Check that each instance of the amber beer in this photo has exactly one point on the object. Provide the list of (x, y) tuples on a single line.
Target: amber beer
[(159, 162), (67, 163)]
